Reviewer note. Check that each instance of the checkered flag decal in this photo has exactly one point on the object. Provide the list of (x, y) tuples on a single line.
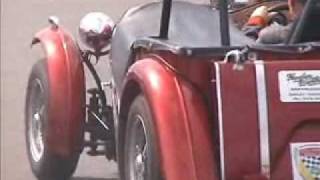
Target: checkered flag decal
[(312, 163)]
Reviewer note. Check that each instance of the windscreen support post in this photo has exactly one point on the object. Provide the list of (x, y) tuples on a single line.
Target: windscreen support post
[(165, 19), (224, 23)]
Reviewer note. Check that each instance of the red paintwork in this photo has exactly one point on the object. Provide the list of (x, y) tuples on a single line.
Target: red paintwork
[(67, 91), (179, 88), (182, 121), (288, 122), (240, 125)]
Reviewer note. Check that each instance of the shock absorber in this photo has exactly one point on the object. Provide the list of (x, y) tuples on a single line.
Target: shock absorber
[(92, 124), (100, 126)]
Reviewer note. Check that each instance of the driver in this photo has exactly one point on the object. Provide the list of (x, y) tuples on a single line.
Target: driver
[(258, 28)]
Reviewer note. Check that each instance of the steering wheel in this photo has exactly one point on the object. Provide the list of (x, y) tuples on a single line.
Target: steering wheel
[(277, 14)]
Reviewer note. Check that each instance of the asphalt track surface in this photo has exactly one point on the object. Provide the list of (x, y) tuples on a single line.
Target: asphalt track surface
[(20, 19)]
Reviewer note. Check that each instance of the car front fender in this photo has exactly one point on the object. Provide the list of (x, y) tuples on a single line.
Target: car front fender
[(66, 111), (181, 119)]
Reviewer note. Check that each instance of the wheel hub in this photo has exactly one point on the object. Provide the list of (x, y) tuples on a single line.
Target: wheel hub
[(139, 164), (138, 151), (35, 123)]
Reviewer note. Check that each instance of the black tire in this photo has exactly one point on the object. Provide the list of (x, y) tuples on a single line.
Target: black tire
[(139, 116), (44, 164)]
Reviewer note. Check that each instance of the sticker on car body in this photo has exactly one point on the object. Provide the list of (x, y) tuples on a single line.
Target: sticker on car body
[(299, 86), (305, 159)]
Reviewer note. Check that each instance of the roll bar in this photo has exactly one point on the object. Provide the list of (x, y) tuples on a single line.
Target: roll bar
[(224, 21)]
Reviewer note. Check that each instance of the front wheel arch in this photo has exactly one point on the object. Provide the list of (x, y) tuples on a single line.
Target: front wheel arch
[(165, 93), (66, 79), (47, 164)]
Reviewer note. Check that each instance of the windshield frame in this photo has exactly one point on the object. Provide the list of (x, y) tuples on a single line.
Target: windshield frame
[(224, 21)]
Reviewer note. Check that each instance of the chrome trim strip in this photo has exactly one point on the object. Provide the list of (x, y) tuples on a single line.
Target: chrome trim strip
[(220, 118), (263, 118)]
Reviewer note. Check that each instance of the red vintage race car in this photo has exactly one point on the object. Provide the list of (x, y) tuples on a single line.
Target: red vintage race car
[(192, 98)]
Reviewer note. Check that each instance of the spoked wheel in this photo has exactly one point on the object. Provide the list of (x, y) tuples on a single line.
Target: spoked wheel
[(44, 163), (35, 123), (141, 158), (138, 149)]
